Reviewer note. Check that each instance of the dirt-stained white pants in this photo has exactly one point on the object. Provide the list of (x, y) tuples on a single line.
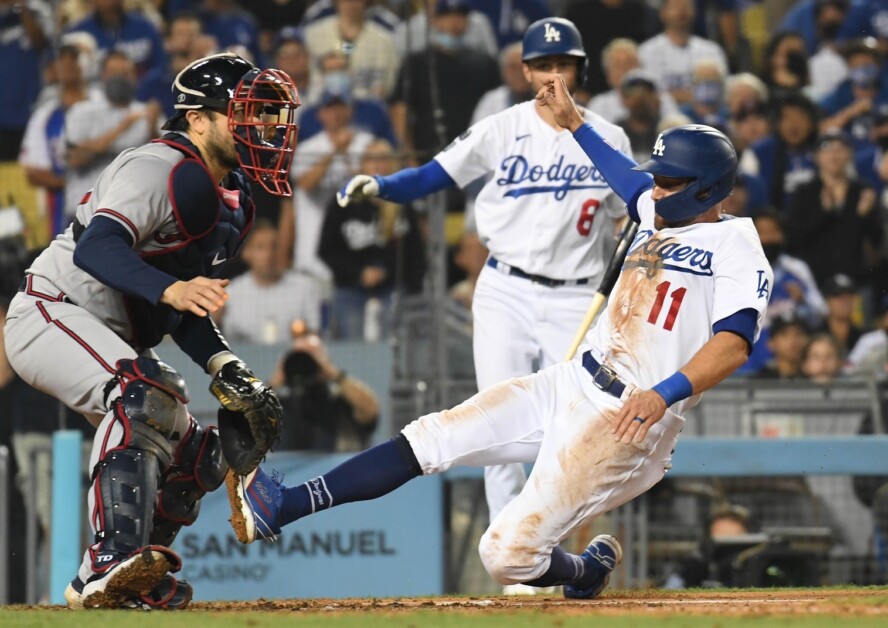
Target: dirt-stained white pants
[(520, 327), (561, 422)]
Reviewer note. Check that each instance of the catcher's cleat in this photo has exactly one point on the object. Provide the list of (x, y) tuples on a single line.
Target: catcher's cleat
[(128, 580), (602, 555), (255, 500)]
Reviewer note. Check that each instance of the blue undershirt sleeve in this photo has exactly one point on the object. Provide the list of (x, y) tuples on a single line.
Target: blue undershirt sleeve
[(199, 338), (104, 250), (413, 183), (614, 166), (741, 323)]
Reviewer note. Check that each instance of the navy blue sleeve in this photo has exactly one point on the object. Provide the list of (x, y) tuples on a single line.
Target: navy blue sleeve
[(199, 338), (741, 323), (104, 250), (614, 166), (413, 183)]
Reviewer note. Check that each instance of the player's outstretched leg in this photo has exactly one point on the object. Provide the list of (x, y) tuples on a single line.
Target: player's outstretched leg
[(261, 505), (602, 555)]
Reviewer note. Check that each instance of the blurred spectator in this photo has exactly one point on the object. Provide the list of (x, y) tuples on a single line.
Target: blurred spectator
[(424, 123), (42, 153), (25, 28), (368, 114), (787, 339), (129, 32), (374, 250), (321, 166), (377, 11), (266, 300), (182, 33), (719, 20), (515, 87), (88, 57), (373, 59), (97, 130), (412, 36), (785, 67), (822, 359), (834, 222), (272, 16), (855, 103), (233, 28), (706, 566), (747, 97), (867, 18), (510, 18), (841, 299), (470, 258), (794, 292), (672, 55), (291, 55), (749, 199), (707, 104), (869, 355), (325, 408), (619, 57), (642, 103), (785, 159), (827, 67), (603, 23), (805, 19)]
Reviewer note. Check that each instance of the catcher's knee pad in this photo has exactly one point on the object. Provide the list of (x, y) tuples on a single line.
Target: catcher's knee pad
[(150, 392), (198, 468)]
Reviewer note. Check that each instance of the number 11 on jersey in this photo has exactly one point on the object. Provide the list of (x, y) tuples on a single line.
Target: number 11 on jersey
[(677, 296)]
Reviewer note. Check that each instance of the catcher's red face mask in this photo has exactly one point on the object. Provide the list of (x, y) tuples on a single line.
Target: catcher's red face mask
[(261, 117)]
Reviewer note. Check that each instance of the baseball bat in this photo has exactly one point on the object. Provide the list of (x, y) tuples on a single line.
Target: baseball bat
[(604, 288)]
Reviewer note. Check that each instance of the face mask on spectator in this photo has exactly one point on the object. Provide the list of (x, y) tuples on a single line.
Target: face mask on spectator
[(119, 90), (830, 30), (447, 41), (338, 82), (708, 93), (864, 76)]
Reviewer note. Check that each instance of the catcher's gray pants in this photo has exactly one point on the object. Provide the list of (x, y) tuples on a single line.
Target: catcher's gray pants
[(65, 351)]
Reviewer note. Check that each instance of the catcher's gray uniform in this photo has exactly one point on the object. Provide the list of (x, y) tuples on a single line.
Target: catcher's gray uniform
[(86, 337)]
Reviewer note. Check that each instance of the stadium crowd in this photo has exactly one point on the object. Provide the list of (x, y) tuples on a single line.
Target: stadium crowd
[(800, 86)]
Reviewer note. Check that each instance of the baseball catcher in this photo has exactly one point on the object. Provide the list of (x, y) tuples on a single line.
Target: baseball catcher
[(141, 260)]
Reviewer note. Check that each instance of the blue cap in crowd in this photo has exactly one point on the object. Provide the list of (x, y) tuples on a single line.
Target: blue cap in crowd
[(452, 6)]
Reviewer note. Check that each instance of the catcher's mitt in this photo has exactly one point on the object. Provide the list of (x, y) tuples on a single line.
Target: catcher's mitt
[(249, 419)]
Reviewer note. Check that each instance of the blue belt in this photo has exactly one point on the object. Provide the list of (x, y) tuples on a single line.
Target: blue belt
[(603, 377), (544, 281)]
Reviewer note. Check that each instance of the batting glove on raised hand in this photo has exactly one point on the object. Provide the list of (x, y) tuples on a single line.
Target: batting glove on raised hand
[(360, 186)]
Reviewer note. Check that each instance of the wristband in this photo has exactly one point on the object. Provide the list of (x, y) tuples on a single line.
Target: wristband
[(674, 388)]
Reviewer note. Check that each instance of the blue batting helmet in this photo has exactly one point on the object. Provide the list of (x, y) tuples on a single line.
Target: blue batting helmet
[(554, 36), (697, 152)]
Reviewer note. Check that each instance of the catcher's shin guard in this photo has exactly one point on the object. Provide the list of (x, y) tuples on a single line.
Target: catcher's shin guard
[(133, 452), (198, 468)]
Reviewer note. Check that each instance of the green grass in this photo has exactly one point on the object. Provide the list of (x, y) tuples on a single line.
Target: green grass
[(417, 619)]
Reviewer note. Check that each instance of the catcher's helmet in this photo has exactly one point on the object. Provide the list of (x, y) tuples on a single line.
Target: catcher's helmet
[(554, 36), (260, 106), (697, 152)]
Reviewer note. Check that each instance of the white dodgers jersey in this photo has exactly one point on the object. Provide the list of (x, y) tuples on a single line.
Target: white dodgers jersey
[(675, 285), (545, 208)]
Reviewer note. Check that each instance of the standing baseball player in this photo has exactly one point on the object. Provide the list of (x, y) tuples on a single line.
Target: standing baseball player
[(545, 214), (137, 263), (600, 429)]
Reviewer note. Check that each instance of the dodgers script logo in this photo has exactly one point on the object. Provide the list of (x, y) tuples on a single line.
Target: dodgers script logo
[(561, 177), (669, 254)]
